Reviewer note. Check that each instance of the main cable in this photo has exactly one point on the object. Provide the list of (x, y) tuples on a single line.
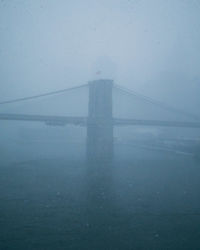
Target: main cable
[(157, 103), (42, 95)]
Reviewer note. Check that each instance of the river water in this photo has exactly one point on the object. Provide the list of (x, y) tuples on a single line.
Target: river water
[(143, 200)]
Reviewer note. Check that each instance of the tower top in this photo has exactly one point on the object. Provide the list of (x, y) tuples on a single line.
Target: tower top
[(102, 81)]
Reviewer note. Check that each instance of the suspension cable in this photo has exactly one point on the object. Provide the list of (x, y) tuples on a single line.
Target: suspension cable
[(42, 95), (157, 103)]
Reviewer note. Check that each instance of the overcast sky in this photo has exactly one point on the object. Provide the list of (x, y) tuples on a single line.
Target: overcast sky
[(152, 46)]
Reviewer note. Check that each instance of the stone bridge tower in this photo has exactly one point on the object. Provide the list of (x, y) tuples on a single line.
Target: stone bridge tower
[(100, 121)]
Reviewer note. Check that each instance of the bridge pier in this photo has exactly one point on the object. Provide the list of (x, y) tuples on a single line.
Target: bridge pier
[(100, 121)]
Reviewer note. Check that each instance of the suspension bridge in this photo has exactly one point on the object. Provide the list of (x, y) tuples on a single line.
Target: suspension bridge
[(100, 120)]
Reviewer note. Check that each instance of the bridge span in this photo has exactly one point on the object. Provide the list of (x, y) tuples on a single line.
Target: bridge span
[(99, 122), (84, 121)]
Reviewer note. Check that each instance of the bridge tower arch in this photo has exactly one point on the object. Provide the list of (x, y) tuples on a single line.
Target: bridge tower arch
[(100, 121)]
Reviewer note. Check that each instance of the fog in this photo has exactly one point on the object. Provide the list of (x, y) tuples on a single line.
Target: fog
[(153, 45), (100, 124)]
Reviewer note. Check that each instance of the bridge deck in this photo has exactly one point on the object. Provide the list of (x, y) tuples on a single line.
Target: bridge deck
[(131, 122), (49, 120), (82, 121)]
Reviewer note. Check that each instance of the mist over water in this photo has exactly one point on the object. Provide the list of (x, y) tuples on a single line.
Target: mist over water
[(100, 125)]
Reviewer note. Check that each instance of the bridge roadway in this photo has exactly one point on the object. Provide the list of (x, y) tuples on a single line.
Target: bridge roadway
[(47, 119), (156, 123), (83, 121)]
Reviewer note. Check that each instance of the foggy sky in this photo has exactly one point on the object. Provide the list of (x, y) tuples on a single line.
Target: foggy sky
[(149, 46)]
